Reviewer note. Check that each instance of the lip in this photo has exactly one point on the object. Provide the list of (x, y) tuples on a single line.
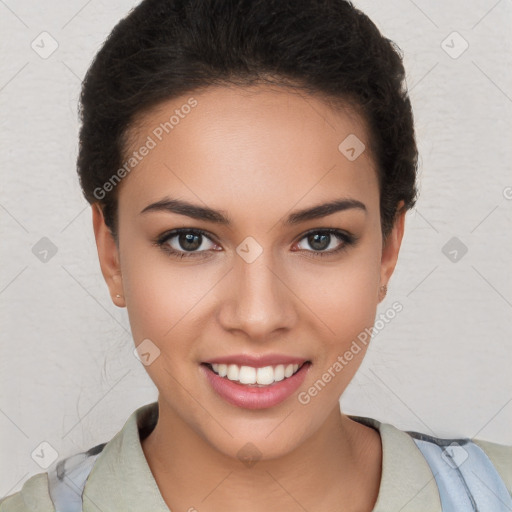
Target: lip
[(257, 361), (248, 396)]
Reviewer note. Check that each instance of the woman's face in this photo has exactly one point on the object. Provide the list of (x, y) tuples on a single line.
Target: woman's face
[(260, 277)]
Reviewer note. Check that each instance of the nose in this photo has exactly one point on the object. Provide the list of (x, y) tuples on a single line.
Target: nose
[(258, 299)]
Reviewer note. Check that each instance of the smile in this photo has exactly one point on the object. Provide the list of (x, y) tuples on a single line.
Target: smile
[(251, 387), (265, 376)]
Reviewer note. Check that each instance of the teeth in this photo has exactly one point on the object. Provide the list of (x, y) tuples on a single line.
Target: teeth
[(250, 375), (265, 375), (247, 375), (222, 369), (233, 372)]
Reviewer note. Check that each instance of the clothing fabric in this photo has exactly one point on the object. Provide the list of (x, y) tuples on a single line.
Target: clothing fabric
[(121, 479)]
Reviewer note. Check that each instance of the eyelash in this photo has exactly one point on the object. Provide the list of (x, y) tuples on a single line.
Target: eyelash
[(161, 242)]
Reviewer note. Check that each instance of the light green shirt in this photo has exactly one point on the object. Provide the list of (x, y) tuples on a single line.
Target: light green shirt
[(121, 479)]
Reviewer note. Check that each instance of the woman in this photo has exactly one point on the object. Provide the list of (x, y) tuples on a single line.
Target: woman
[(249, 166)]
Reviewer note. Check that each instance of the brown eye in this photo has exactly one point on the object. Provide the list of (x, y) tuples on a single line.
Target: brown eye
[(185, 243), (190, 241), (328, 241)]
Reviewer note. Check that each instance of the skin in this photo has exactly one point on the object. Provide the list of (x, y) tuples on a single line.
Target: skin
[(257, 154)]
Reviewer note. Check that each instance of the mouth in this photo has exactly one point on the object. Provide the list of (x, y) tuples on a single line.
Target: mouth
[(255, 377), (255, 387)]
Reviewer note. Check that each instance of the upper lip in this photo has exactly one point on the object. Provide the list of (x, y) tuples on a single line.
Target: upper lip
[(257, 361)]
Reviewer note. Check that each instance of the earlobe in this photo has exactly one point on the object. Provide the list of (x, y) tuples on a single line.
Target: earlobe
[(108, 254), (391, 249)]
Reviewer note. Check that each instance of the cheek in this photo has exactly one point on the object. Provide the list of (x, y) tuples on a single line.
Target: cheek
[(345, 312), (162, 300), (167, 300), (343, 297)]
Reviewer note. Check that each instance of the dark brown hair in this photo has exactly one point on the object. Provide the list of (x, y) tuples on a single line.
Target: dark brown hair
[(168, 48)]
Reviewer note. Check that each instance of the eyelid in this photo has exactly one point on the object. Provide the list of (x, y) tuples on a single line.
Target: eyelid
[(177, 231), (346, 239), (330, 230)]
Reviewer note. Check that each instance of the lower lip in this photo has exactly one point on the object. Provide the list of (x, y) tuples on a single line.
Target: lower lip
[(249, 396)]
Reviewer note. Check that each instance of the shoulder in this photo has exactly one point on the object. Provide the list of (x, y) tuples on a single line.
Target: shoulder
[(33, 496), (413, 457), (37, 492), (501, 457)]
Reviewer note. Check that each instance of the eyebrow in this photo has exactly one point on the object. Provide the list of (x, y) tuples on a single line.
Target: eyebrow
[(182, 207)]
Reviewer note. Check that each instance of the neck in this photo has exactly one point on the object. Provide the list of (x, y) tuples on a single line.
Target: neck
[(337, 468)]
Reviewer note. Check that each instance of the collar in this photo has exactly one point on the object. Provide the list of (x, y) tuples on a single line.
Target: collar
[(121, 476), (407, 482)]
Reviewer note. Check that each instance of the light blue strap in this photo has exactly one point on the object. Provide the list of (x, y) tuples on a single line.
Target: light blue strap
[(465, 476), (67, 481)]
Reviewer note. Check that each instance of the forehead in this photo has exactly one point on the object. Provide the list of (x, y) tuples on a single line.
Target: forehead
[(248, 148)]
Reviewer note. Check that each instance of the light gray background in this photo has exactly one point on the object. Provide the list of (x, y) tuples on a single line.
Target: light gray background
[(442, 366)]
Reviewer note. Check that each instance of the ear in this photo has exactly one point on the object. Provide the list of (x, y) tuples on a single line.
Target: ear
[(108, 254), (391, 247)]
